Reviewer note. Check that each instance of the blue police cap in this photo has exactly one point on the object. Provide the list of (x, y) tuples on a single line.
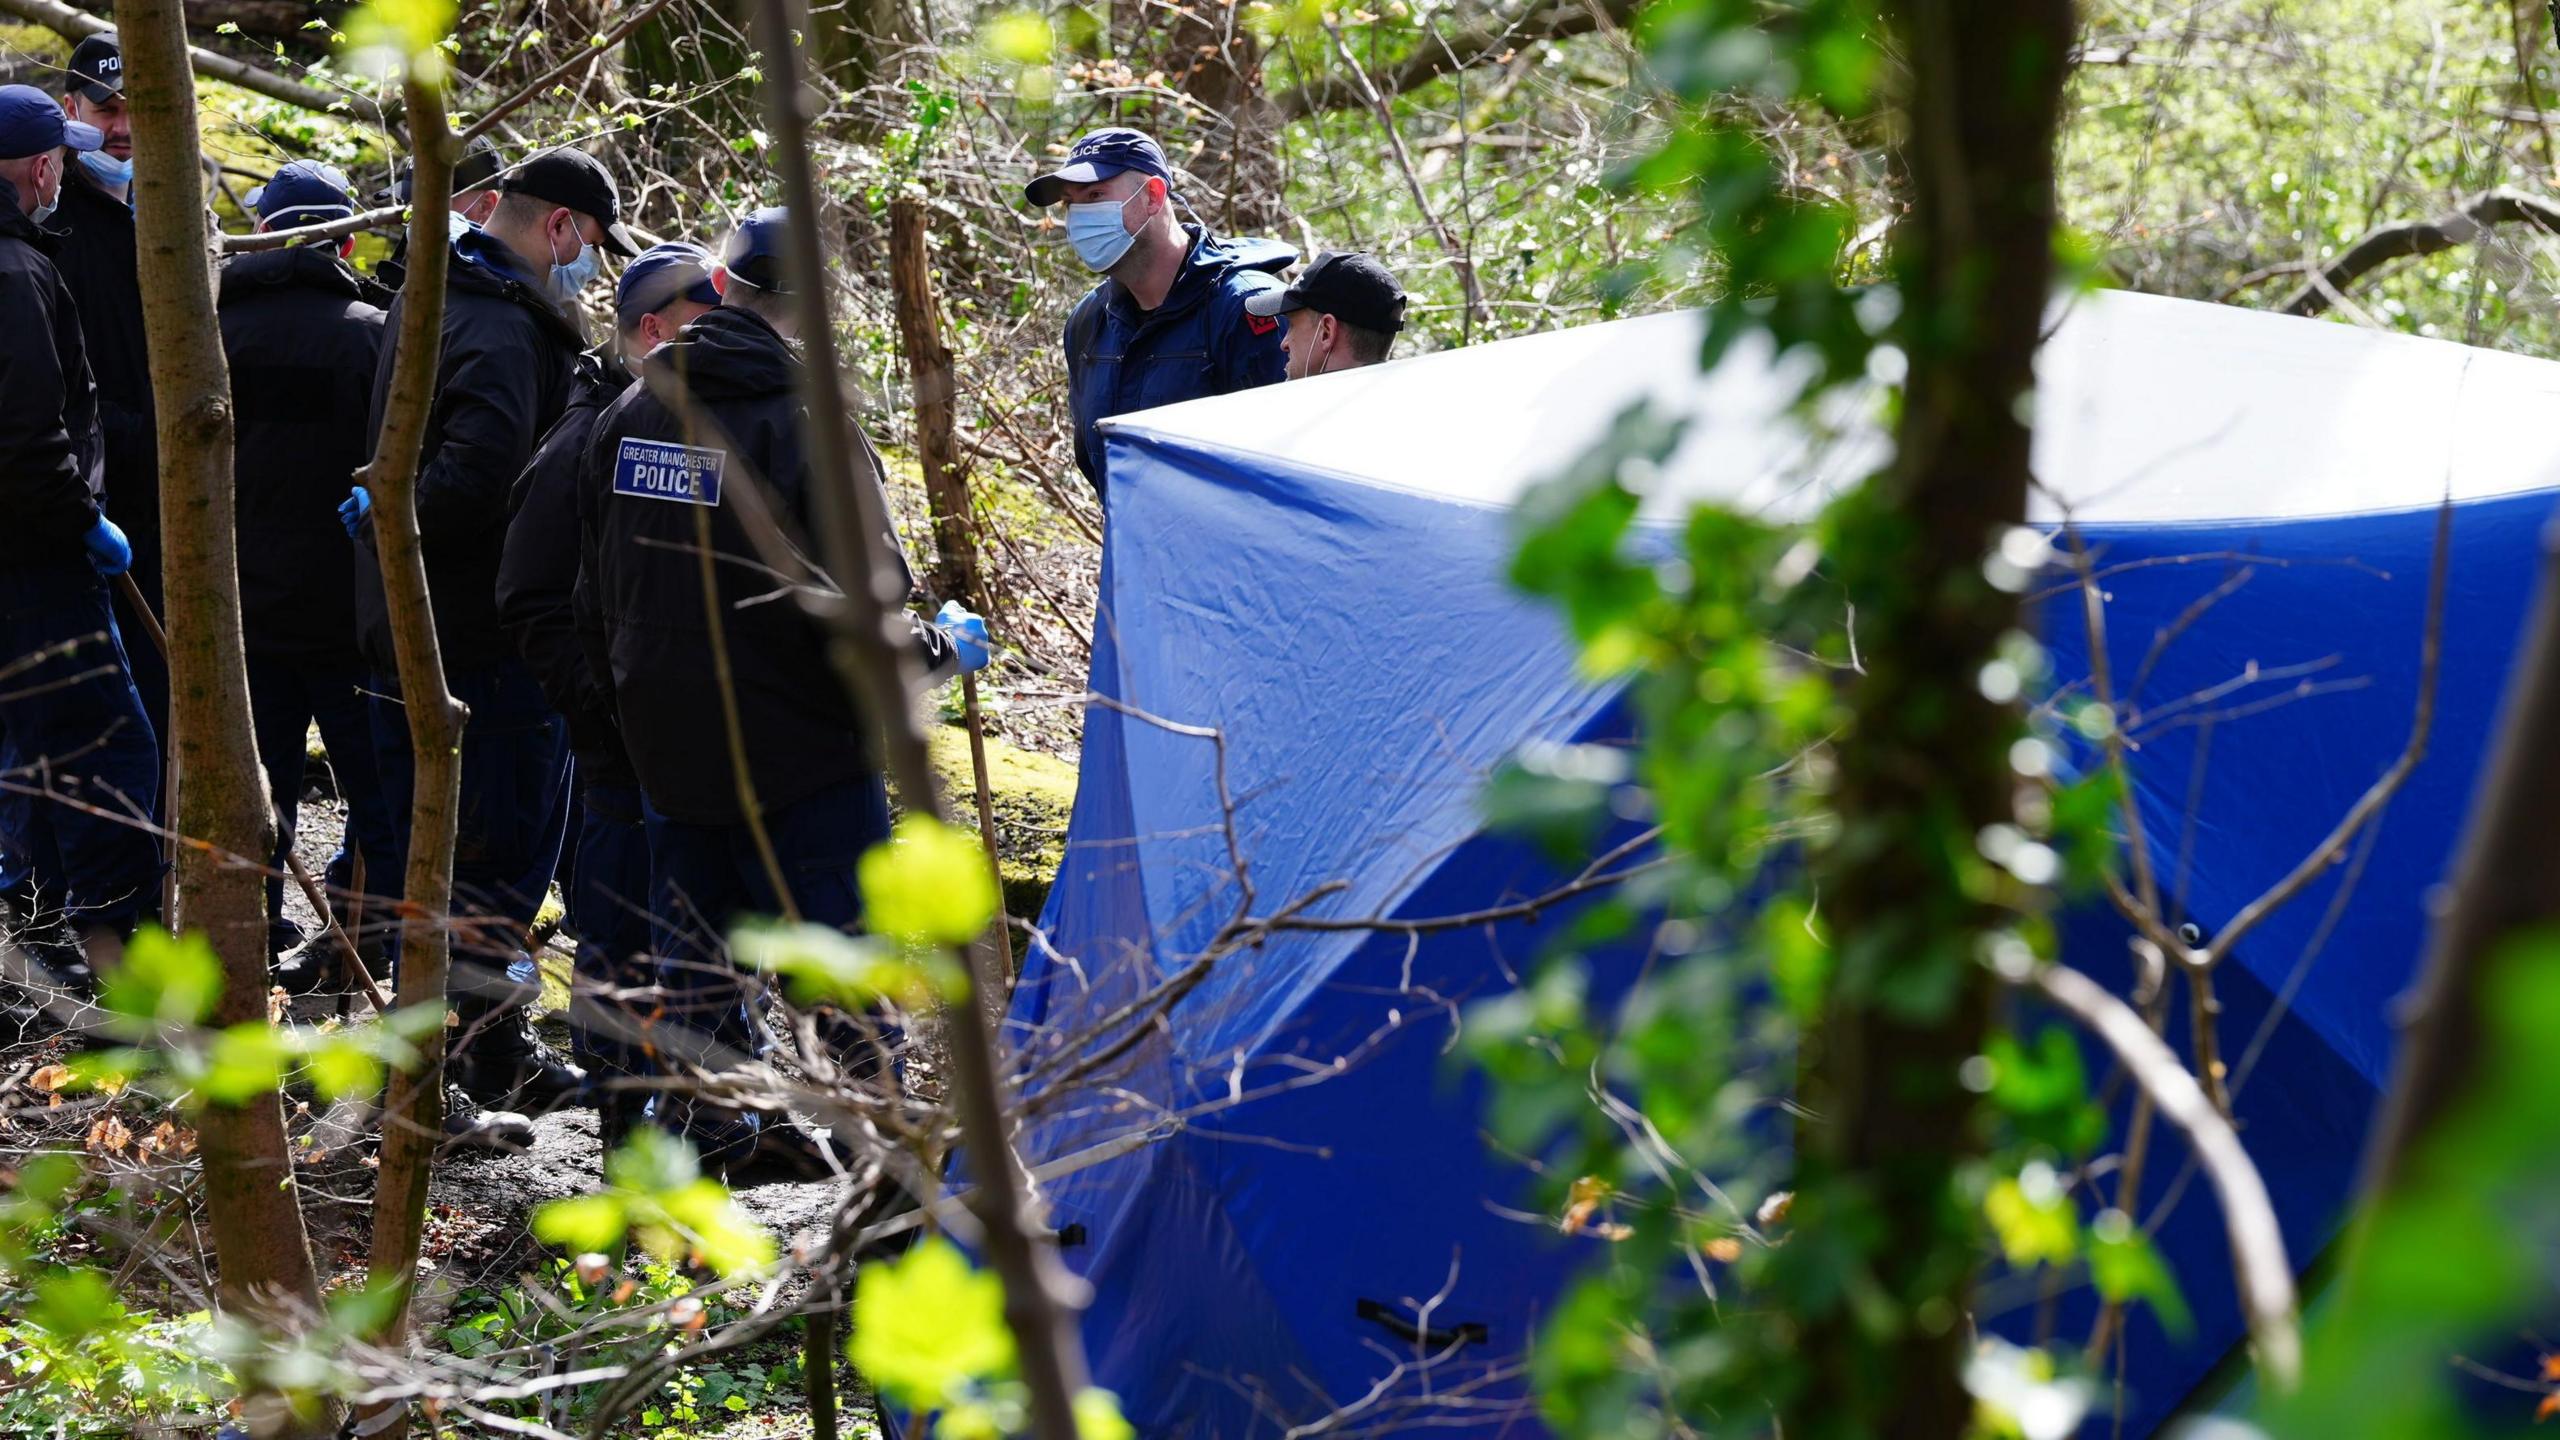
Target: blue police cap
[(661, 276), (753, 251), (32, 122), (1099, 156), (305, 192)]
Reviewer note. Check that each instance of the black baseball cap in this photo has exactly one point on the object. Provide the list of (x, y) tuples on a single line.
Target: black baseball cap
[(1099, 156), (753, 251), (97, 68), (32, 122), (578, 180), (478, 166), (1348, 285)]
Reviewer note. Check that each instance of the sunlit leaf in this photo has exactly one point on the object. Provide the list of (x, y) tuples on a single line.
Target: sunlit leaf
[(164, 979), (927, 1325), (929, 885), (583, 1222)]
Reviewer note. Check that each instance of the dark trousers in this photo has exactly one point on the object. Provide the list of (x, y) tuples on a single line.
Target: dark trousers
[(514, 810), (73, 729), (609, 912), (286, 698), (707, 878)]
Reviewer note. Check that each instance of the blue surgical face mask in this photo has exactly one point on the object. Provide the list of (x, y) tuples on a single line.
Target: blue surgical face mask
[(107, 167), (1100, 233), (456, 225), (567, 280)]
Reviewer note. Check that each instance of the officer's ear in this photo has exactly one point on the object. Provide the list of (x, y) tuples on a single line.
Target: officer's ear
[(720, 281), (347, 248)]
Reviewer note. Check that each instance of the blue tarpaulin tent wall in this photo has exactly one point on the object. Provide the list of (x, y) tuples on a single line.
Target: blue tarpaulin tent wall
[(1315, 573)]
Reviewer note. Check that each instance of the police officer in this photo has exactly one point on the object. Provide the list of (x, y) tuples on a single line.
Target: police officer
[(1343, 312), (475, 194), (303, 334), (608, 891), (68, 711), (510, 350), (1168, 321), (97, 262), (664, 475)]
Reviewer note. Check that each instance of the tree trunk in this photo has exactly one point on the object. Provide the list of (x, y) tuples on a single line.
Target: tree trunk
[(955, 569), (413, 1112), (879, 671), (1214, 57), (2507, 882), (1924, 766), (250, 1199)]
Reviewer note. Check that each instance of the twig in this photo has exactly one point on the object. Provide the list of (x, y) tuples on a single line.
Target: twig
[(2259, 1265)]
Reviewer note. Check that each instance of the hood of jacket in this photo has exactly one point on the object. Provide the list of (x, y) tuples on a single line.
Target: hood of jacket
[(728, 354), (1212, 259), (296, 267), (482, 265)]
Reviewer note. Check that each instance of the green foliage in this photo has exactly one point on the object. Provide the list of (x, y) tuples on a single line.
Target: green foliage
[(2457, 1256), (656, 1191), (928, 886), (929, 1331)]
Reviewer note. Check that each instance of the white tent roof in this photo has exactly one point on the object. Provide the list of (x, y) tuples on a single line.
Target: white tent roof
[(2149, 409)]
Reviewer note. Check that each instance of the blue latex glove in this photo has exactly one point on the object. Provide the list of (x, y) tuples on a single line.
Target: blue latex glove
[(968, 632), (109, 552), (353, 510)]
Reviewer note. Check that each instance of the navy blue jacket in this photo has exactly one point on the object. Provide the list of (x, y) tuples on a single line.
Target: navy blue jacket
[(1199, 342), (501, 382), (49, 446), (96, 259), (303, 335), (645, 622), (539, 580)]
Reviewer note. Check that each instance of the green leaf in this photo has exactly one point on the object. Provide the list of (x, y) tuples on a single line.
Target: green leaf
[(583, 1222), (410, 27), (1018, 37), (709, 1223), (75, 1304), (823, 965), (652, 1161), (164, 980), (1098, 1417), (247, 1060), (343, 1069), (2035, 1223), (926, 1326), (2124, 1267), (929, 885)]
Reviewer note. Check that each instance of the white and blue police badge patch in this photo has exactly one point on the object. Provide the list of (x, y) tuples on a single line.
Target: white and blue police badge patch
[(664, 470)]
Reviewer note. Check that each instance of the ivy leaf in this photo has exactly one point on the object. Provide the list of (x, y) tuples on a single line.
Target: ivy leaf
[(929, 885), (75, 1304), (927, 1327)]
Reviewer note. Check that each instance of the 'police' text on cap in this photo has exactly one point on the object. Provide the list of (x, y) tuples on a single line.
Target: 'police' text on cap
[(96, 68), (1099, 156)]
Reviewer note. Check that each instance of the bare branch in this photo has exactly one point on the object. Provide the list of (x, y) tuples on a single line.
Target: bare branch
[(2264, 1274), (76, 25), (2460, 225), (1457, 51)]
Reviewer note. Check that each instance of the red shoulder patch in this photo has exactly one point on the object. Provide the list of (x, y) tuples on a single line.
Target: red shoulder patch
[(1262, 324)]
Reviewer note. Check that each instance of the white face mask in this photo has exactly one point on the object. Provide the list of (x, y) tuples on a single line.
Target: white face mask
[(45, 208)]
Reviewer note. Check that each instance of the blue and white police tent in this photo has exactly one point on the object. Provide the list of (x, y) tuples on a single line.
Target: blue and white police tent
[(1282, 1193)]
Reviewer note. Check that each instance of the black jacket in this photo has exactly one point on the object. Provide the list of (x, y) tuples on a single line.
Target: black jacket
[(644, 558), (48, 409), (303, 336), (502, 381), (538, 578), (97, 263)]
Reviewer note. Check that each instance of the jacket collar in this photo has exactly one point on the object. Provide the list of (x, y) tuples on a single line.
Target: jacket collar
[(16, 224), (483, 265), (311, 267)]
